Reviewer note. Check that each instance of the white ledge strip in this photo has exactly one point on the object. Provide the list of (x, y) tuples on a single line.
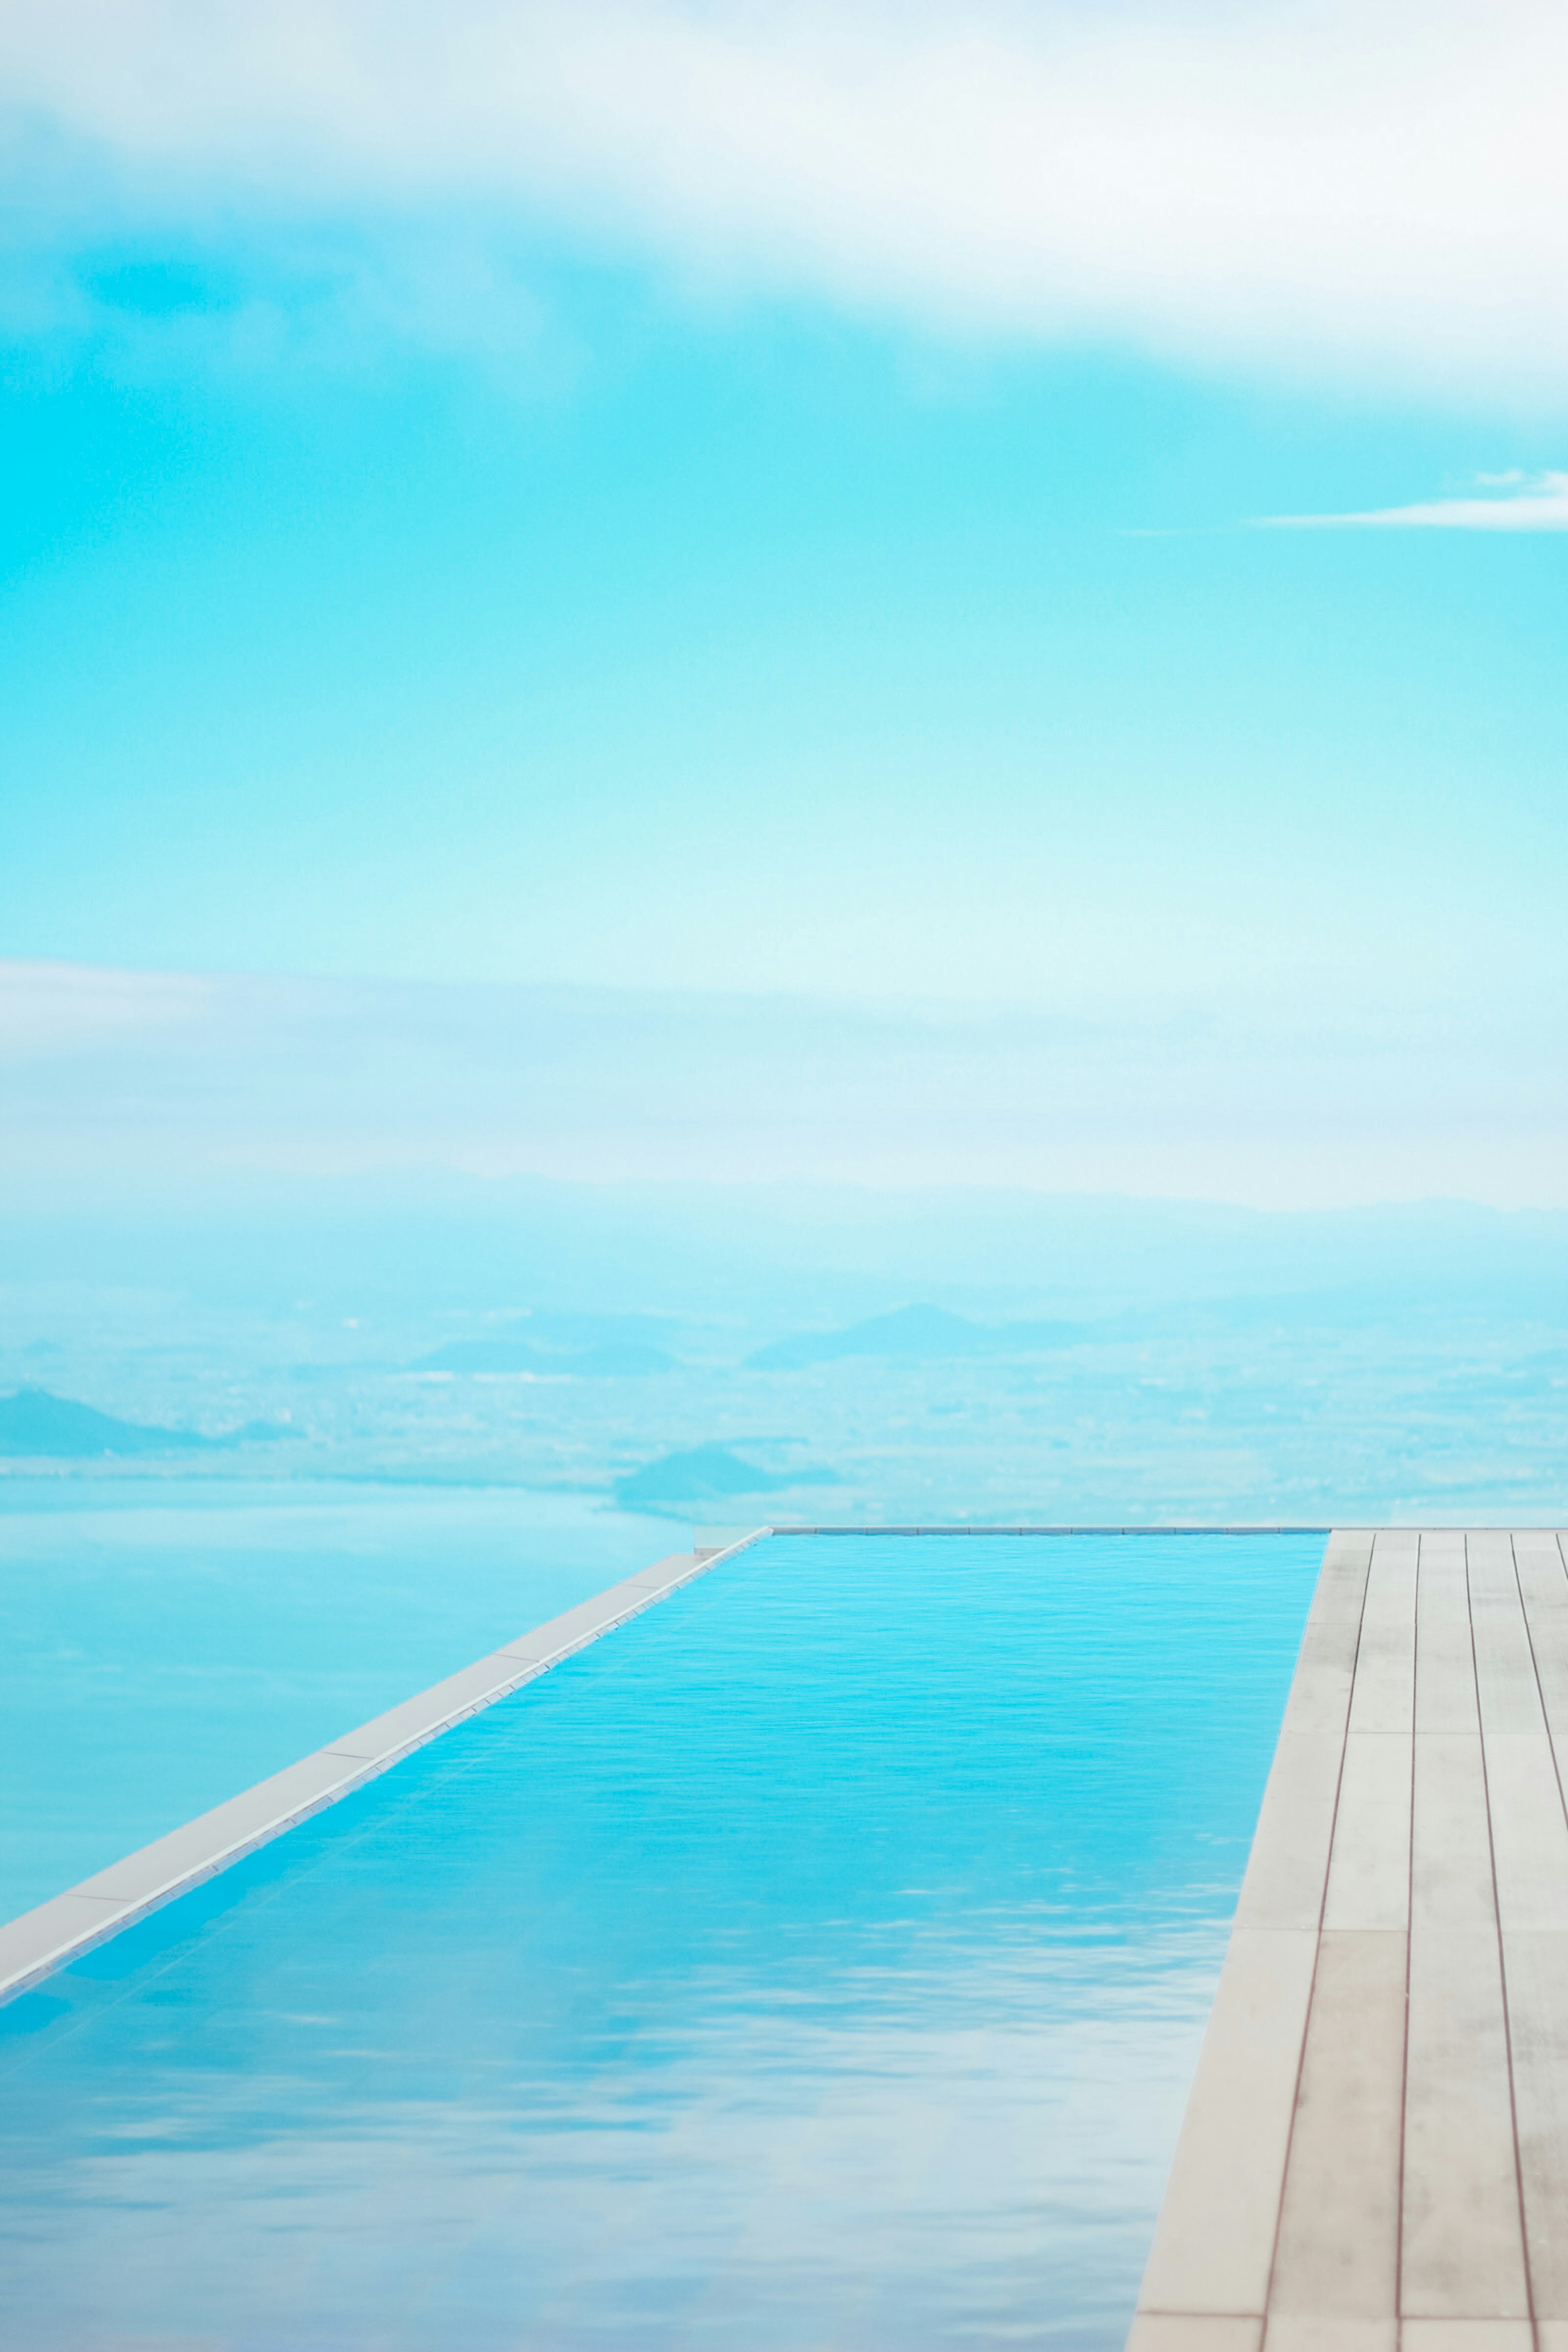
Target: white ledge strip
[(33, 1945)]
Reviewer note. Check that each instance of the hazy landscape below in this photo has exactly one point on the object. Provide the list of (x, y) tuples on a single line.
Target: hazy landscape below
[(807, 1355)]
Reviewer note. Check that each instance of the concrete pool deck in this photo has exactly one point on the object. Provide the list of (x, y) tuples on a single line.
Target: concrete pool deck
[(33, 1945), (1374, 2156)]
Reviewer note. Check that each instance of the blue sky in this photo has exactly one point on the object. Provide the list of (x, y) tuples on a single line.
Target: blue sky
[(707, 508)]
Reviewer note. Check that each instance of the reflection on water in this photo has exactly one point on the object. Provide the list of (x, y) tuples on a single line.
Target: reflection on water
[(817, 1961), (163, 1644)]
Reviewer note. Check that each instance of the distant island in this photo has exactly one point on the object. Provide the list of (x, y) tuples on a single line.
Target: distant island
[(37, 1426), (708, 1473), (919, 1333)]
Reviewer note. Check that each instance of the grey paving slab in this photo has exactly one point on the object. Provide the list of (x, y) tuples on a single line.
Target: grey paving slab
[(1463, 2253), (1213, 2244), (111, 1898), (1369, 1869), (1383, 1698), (1337, 2253), (1536, 1969)]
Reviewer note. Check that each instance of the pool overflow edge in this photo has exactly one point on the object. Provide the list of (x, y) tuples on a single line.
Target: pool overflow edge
[(38, 1942)]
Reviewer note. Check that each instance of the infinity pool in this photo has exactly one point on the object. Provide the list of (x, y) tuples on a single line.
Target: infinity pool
[(817, 1961), (166, 1642)]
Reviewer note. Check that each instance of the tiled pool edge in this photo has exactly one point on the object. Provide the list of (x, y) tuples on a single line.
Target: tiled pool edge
[(1063, 1528), (37, 1942)]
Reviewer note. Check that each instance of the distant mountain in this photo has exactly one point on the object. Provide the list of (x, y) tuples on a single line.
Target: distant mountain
[(34, 1422), (615, 1360), (34, 1425), (917, 1332), (708, 1473), (560, 1328)]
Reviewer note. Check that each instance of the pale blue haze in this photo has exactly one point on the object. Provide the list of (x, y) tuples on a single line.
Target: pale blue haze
[(679, 679)]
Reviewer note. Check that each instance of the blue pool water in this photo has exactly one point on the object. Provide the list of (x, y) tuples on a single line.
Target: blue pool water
[(163, 1644), (817, 1961)]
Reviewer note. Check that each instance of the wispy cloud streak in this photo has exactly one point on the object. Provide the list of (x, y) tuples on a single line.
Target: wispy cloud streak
[(170, 1083), (1530, 502)]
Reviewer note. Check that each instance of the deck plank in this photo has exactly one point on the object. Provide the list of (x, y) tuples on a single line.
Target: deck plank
[(1505, 1663), (1543, 1584), (1536, 1966), (1451, 1857), (1213, 2332), (1445, 1655), (1321, 1691), (1287, 1870), (1530, 1830), (1339, 2229), (1383, 1698), (1417, 1810), (1467, 2336), (1230, 2159), (1291, 2332), (1463, 2254), (1369, 1871)]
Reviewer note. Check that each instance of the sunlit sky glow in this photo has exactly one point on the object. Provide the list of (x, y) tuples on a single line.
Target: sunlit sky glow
[(730, 500)]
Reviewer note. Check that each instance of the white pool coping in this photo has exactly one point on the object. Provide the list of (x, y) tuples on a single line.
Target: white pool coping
[(40, 1941)]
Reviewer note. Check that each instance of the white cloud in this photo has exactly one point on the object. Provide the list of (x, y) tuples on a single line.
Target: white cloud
[(1537, 502), (1370, 192)]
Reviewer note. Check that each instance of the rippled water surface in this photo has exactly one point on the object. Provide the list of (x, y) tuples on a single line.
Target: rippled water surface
[(817, 1961)]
